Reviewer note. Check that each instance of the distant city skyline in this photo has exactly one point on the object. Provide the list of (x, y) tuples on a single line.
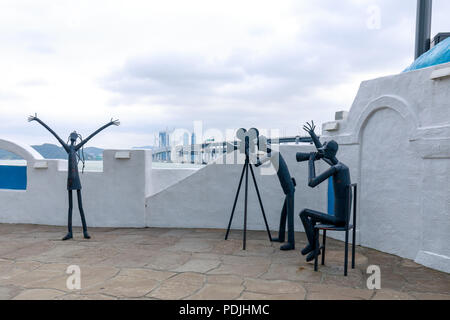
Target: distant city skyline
[(229, 64)]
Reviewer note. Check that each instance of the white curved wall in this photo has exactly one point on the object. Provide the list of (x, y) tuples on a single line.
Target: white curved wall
[(390, 192), (398, 134)]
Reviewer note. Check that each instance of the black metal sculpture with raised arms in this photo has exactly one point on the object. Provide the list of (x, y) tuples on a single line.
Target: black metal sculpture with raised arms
[(73, 178), (341, 180), (288, 185)]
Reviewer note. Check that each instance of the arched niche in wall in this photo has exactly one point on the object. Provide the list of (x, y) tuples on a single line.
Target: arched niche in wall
[(396, 103), (390, 178), (14, 159)]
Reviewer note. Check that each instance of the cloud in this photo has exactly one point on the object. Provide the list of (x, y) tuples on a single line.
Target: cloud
[(9, 96), (242, 78), (171, 78), (36, 82), (158, 64), (314, 74)]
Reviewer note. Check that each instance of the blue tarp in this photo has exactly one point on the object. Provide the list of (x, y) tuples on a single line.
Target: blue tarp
[(436, 55), (13, 177)]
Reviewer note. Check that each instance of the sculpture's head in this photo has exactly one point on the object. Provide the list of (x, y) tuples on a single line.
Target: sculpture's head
[(329, 150), (262, 143), (73, 137)]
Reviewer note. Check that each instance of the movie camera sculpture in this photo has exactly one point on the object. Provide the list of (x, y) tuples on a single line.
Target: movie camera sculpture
[(248, 142)]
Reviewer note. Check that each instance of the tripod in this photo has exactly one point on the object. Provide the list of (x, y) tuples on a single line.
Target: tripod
[(247, 165)]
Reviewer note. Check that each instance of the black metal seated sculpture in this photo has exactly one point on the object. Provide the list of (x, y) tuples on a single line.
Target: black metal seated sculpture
[(288, 185), (341, 180), (73, 178)]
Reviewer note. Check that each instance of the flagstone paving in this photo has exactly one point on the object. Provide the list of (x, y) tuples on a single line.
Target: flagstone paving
[(156, 263)]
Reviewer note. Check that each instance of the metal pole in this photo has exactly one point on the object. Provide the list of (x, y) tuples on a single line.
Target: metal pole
[(245, 204), (235, 201), (260, 202), (423, 27)]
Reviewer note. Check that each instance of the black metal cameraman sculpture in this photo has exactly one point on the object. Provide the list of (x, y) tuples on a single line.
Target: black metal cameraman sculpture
[(341, 181), (288, 184), (73, 178)]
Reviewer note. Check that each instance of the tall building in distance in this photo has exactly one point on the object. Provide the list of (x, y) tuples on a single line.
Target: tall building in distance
[(185, 139), (192, 150), (164, 139), (163, 143)]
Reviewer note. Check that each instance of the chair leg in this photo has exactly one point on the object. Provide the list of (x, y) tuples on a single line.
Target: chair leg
[(353, 247), (354, 225), (323, 246), (316, 249), (346, 253)]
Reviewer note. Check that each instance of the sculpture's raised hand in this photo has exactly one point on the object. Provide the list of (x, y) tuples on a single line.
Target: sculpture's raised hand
[(83, 142), (309, 127), (35, 118), (32, 118)]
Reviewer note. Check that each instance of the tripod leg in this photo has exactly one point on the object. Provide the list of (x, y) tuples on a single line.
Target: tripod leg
[(235, 201), (245, 205), (260, 203)]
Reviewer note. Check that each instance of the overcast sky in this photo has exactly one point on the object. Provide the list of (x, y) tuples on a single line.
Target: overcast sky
[(157, 64)]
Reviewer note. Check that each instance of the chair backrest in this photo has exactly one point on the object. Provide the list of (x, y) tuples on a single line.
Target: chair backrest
[(352, 190)]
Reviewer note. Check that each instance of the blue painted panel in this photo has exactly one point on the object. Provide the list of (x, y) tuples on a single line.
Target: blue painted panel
[(436, 55), (330, 197), (13, 177)]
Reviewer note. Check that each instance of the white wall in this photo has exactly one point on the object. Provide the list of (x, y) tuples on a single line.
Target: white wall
[(161, 178), (122, 195), (114, 197), (398, 135), (205, 199)]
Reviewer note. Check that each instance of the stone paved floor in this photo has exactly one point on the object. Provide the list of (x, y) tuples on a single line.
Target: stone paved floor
[(194, 264)]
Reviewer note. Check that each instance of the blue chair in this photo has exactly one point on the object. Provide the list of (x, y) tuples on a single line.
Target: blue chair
[(346, 228)]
